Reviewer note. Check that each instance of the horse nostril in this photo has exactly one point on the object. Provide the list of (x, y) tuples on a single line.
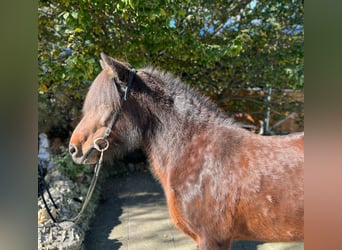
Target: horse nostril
[(72, 150)]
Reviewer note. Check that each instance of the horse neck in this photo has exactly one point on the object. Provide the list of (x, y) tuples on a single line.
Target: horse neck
[(177, 115)]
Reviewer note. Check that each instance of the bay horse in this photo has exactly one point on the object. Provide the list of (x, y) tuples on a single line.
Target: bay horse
[(221, 182)]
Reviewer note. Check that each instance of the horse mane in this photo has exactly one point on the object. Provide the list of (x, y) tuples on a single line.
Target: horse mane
[(103, 93), (188, 97)]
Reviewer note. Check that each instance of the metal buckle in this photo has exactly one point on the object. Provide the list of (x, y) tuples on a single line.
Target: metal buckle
[(98, 147)]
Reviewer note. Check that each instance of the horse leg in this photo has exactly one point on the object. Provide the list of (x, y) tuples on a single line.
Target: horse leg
[(206, 244)]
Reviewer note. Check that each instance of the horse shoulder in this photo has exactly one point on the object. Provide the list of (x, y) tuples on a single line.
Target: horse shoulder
[(165, 175)]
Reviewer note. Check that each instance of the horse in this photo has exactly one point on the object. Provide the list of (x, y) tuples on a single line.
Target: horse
[(221, 182)]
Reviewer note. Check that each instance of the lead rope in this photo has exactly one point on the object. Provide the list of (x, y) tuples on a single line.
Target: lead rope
[(90, 190), (42, 185), (94, 179)]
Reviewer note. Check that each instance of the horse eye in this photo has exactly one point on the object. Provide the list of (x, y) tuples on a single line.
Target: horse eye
[(102, 118), (103, 121), (105, 118)]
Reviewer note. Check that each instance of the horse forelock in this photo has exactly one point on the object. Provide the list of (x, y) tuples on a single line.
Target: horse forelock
[(102, 93)]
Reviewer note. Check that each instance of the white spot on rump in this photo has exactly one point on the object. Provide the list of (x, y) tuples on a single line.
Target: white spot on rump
[(269, 198)]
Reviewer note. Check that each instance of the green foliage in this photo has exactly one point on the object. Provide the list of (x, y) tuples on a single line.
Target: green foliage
[(218, 47), (66, 166)]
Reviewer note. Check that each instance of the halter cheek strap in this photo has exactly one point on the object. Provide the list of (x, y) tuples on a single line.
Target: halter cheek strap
[(129, 83), (112, 122)]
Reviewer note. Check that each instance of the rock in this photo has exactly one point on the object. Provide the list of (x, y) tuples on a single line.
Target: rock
[(43, 215), (65, 235), (43, 153)]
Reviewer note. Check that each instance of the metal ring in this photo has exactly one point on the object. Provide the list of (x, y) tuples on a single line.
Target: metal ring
[(97, 146)]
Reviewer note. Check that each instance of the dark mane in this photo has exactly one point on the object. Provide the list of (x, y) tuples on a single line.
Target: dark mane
[(103, 93), (186, 99)]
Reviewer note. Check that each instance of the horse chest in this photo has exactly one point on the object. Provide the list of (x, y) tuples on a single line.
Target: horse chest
[(177, 214)]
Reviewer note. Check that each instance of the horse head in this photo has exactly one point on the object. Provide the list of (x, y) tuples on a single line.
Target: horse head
[(106, 120)]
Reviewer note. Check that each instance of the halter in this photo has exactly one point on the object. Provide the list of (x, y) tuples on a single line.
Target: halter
[(97, 145), (127, 90)]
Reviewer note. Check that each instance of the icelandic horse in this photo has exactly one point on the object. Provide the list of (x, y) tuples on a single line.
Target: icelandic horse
[(221, 182)]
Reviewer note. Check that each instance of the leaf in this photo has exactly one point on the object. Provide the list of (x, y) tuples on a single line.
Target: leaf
[(42, 89), (162, 12), (78, 30), (66, 15), (74, 14)]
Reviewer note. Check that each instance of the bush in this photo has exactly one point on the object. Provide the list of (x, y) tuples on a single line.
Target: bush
[(67, 167)]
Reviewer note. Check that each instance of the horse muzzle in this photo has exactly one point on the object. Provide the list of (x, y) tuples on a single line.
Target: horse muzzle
[(90, 157)]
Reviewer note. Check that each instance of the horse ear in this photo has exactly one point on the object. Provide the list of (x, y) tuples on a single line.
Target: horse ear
[(103, 64), (122, 69)]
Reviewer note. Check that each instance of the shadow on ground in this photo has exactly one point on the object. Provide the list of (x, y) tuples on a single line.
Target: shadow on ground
[(132, 215), (106, 218)]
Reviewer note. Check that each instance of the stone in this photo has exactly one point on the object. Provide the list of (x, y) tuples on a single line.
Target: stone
[(43, 215)]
